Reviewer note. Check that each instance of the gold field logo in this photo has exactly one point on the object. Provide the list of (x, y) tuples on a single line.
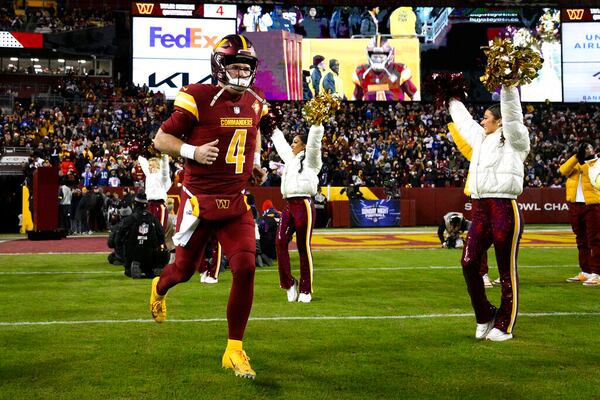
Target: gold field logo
[(222, 203), (145, 8), (575, 14)]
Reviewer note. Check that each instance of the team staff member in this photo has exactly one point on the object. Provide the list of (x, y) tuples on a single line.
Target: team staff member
[(500, 145), (299, 183), (215, 128), (584, 212), (158, 183)]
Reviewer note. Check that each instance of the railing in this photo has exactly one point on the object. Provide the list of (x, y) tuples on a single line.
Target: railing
[(48, 101), (433, 29), (7, 103)]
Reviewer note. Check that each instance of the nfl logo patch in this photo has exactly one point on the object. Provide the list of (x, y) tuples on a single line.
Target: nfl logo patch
[(236, 109), (143, 229)]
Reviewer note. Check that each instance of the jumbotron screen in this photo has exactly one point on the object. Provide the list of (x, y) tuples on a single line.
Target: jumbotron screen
[(172, 43), (364, 53), (581, 54)]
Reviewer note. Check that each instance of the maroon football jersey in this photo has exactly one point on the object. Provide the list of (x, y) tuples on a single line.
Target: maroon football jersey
[(382, 85), (234, 122)]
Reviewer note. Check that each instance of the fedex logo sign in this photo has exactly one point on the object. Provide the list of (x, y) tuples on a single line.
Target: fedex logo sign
[(178, 38), (192, 38)]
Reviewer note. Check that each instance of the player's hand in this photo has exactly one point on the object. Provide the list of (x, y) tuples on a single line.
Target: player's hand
[(582, 153), (207, 153), (259, 176)]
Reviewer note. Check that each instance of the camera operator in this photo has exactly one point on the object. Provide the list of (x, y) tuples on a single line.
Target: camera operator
[(451, 228), (353, 192), (143, 241)]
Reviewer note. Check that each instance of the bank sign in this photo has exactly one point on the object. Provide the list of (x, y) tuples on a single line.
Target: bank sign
[(169, 53), (581, 61)]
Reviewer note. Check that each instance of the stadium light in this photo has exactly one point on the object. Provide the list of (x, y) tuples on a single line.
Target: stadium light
[(14, 59)]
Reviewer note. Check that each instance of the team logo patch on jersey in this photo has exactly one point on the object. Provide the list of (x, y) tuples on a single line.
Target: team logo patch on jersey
[(236, 122), (222, 203), (236, 110)]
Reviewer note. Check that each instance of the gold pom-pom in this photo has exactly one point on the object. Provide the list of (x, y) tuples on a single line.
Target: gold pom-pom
[(510, 65), (547, 27), (320, 108)]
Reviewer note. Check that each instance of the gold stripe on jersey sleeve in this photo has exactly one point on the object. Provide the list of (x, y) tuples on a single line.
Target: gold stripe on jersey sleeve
[(187, 102), (265, 111)]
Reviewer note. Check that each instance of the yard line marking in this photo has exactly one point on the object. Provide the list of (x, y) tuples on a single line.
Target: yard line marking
[(308, 318), (57, 253), (58, 272), (267, 269)]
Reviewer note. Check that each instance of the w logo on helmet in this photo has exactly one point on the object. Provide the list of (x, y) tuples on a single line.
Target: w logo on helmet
[(145, 8), (222, 203), (575, 14)]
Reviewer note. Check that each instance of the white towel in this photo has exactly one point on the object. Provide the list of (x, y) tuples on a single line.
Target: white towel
[(189, 222)]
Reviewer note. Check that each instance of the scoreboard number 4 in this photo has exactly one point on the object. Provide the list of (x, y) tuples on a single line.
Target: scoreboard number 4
[(220, 11)]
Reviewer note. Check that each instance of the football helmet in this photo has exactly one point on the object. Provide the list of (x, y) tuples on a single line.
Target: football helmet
[(380, 53), (234, 49)]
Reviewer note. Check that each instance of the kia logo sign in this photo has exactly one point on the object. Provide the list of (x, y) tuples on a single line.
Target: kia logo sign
[(172, 82)]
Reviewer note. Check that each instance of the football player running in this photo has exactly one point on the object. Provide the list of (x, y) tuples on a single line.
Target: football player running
[(215, 129)]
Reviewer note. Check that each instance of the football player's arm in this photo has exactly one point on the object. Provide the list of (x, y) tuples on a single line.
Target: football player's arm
[(173, 146), (259, 176), (181, 123)]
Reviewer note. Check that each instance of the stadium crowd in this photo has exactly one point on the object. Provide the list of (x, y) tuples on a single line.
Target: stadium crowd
[(50, 20), (102, 128)]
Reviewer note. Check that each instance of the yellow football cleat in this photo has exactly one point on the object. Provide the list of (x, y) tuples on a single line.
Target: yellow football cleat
[(239, 362), (158, 303)]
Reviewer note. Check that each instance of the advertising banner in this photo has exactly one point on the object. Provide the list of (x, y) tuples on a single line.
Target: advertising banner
[(21, 40), (581, 61), (171, 52), (371, 213)]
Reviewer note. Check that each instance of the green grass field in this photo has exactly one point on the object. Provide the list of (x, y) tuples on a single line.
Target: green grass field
[(382, 325)]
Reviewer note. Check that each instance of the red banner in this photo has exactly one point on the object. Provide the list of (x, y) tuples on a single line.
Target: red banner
[(21, 40)]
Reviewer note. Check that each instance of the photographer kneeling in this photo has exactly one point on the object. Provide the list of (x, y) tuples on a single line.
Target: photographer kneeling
[(451, 229)]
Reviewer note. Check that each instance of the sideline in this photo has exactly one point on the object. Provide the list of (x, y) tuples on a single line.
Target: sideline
[(315, 318), (272, 269)]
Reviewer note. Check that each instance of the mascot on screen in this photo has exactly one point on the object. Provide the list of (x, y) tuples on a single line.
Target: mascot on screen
[(382, 78)]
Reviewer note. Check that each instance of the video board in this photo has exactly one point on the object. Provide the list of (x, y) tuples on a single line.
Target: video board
[(171, 52), (172, 45), (581, 54)]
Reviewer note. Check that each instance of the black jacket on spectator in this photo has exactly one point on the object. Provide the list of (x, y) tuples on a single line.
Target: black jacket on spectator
[(141, 237)]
